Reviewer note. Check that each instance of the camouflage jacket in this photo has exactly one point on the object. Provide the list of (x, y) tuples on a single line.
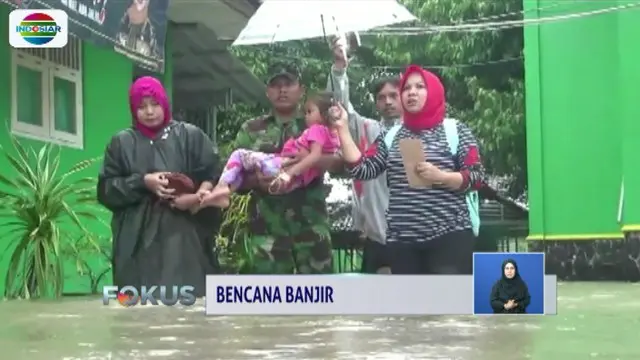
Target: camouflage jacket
[(291, 215)]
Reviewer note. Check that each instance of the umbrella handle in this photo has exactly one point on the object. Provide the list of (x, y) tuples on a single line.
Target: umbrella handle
[(342, 40), (324, 35)]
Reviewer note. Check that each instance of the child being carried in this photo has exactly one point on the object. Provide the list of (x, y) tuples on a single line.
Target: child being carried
[(316, 140)]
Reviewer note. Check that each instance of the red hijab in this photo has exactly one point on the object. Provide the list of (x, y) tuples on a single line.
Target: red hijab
[(148, 86), (433, 111)]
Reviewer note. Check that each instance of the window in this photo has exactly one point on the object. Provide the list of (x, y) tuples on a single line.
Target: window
[(46, 94)]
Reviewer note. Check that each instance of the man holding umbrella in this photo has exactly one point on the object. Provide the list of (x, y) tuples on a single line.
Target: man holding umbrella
[(370, 198), (288, 233)]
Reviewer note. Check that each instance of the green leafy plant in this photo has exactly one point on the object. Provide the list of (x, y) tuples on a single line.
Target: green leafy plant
[(92, 256), (42, 207), (232, 246)]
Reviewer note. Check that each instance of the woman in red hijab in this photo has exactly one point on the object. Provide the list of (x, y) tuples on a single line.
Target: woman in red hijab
[(429, 226), (156, 239)]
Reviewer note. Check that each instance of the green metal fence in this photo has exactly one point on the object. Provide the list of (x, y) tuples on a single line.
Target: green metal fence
[(347, 261), (503, 237), (493, 237), (347, 251)]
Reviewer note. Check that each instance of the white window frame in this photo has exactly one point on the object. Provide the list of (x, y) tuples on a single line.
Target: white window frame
[(49, 71)]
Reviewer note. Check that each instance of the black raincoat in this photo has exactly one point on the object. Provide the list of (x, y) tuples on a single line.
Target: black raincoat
[(154, 244), (507, 289)]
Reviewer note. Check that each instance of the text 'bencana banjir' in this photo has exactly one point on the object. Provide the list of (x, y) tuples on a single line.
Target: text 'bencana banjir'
[(274, 294), (149, 295)]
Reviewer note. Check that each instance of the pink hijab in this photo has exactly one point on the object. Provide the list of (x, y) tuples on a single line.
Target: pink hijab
[(144, 87)]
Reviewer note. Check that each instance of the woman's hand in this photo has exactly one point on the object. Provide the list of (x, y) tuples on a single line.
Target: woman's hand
[(157, 183), (510, 304), (339, 118), (430, 173)]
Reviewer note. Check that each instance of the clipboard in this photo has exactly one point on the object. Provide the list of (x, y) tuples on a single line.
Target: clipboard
[(412, 154)]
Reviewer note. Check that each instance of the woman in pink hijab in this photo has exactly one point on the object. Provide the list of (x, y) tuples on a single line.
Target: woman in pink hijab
[(156, 238)]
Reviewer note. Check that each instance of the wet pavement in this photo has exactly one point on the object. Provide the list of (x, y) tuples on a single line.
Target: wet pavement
[(595, 321)]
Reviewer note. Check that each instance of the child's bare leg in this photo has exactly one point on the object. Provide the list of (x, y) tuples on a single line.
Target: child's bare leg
[(219, 196), (231, 175)]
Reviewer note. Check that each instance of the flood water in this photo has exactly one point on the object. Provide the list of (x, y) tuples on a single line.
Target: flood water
[(594, 321)]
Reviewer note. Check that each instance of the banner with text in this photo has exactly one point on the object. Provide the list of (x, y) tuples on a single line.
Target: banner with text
[(351, 294), (135, 28)]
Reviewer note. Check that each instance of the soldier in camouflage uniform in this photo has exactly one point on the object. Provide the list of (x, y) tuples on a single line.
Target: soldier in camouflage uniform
[(289, 233)]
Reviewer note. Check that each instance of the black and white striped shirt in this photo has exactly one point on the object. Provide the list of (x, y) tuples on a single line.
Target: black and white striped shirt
[(424, 214)]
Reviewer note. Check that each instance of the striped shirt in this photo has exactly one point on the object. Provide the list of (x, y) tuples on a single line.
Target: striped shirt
[(424, 214)]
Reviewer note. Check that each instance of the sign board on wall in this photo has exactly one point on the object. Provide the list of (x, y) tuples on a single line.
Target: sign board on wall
[(135, 28)]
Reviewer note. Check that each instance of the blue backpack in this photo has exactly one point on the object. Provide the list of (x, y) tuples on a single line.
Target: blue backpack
[(451, 130)]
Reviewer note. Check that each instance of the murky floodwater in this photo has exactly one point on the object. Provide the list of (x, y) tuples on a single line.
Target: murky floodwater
[(595, 321)]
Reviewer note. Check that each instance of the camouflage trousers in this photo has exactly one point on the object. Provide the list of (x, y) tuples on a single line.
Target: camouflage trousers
[(285, 255)]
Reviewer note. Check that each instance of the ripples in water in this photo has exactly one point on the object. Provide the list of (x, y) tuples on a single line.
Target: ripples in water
[(85, 329)]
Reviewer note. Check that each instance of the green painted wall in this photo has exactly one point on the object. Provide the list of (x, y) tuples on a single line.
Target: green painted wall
[(579, 84), (107, 77), (533, 120), (168, 63), (629, 83)]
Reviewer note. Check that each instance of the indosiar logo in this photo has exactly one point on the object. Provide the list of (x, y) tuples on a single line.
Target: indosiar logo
[(38, 28)]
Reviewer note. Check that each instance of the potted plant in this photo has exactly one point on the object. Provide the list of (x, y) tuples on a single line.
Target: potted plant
[(91, 254), (44, 207)]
